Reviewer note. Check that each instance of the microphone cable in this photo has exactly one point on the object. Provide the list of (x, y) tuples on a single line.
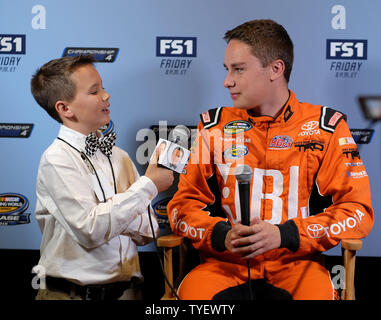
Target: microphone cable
[(251, 293)]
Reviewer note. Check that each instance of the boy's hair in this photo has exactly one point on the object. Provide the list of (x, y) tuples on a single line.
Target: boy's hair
[(268, 41), (52, 82)]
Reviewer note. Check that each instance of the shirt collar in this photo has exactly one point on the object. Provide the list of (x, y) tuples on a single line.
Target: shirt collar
[(75, 138)]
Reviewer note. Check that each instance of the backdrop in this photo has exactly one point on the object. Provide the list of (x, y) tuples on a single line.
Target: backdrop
[(163, 61)]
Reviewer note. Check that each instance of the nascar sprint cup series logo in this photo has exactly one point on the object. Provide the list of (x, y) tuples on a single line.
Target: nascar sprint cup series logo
[(347, 55), (12, 208), (175, 54), (11, 46)]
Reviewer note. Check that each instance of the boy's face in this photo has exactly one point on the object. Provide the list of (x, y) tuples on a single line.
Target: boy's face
[(90, 104), (247, 80)]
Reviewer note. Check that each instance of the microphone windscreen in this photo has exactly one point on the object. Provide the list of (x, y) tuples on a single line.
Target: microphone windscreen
[(180, 135), (243, 173)]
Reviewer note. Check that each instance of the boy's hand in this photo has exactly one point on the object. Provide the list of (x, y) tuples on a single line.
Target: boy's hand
[(160, 176)]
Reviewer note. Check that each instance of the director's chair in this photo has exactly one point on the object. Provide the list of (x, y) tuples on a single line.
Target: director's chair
[(171, 241)]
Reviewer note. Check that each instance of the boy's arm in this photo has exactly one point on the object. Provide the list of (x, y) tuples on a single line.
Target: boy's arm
[(140, 228), (64, 190)]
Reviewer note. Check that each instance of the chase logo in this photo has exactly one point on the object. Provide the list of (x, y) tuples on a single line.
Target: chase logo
[(176, 47), (12, 43), (12, 208), (160, 209), (347, 49)]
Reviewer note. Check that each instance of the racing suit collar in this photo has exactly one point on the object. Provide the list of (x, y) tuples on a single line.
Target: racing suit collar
[(286, 113)]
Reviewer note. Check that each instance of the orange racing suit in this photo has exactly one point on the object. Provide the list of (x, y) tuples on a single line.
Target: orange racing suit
[(305, 148)]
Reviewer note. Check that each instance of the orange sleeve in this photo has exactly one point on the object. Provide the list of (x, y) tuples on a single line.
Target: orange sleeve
[(188, 211), (341, 175)]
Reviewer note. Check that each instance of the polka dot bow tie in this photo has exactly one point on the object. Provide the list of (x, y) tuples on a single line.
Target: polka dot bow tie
[(105, 144)]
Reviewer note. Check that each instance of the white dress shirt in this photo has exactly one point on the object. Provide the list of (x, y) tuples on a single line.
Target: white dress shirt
[(84, 239)]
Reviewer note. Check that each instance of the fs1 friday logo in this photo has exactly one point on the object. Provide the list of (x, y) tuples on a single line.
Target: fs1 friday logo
[(344, 52), (11, 45), (176, 53)]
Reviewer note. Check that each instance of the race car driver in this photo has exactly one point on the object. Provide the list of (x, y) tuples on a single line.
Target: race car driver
[(294, 148)]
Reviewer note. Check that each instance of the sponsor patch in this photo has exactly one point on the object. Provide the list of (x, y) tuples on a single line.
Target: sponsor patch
[(352, 153), (280, 142), (309, 128), (211, 117), (354, 164), (184, 228), (235, 139), (236, 152), (316, 231), (205, 117), (330, 118), (310, 125), (346, 140), (236, 126), (309, 145), (356, 175), (334, 119)]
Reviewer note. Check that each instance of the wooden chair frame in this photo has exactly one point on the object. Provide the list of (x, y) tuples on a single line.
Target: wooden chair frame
[(170, 241)]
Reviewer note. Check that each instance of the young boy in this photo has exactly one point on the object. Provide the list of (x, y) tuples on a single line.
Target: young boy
[(92, 206), (293, 148)]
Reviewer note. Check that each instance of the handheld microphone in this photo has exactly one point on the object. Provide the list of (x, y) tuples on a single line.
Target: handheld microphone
[(243, 174), (180, 135), (173, 152)]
